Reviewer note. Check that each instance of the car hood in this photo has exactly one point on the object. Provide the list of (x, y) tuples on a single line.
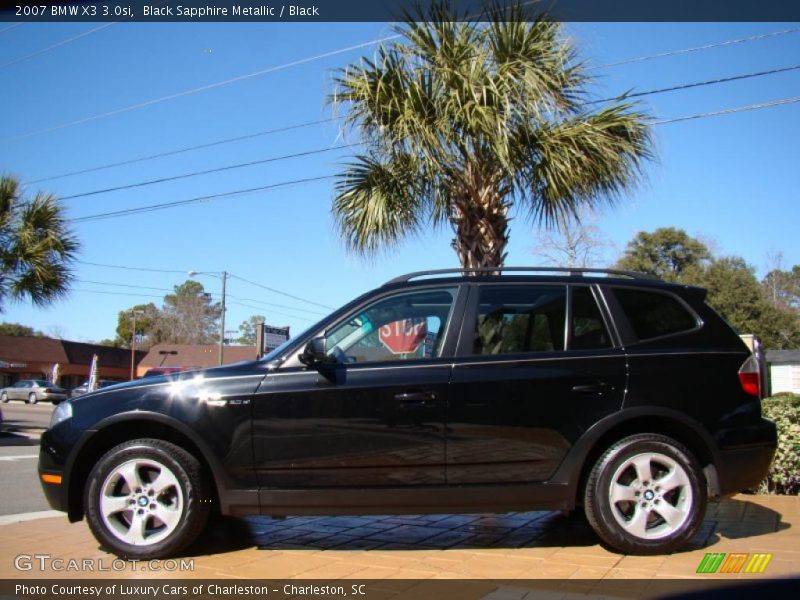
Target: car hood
[(231, 370)]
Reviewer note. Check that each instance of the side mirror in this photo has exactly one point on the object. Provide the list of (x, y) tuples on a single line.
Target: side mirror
[(314, 352)]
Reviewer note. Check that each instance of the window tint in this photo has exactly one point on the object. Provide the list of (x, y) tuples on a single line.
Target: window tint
[(588, 330), (652, 314), (402, 327), (516, 319)]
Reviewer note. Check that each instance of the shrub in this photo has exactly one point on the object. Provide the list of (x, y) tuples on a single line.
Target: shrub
[(784, 474)]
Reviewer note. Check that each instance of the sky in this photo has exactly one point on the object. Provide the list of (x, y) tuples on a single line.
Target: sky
[(731, 180)]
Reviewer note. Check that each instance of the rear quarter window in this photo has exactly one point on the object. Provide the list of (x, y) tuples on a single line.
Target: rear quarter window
[(654, 314)]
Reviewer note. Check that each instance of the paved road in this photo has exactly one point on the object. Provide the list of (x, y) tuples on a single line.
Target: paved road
[(18, 416), (20, 491)]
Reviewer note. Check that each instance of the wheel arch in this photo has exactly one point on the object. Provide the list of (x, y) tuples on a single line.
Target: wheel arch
[(129, 426), (606, 432)]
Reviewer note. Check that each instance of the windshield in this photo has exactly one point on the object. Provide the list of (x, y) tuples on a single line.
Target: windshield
[(273, 354)]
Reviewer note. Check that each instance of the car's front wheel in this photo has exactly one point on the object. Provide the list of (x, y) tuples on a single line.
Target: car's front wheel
[(646, 495), (146, 499)]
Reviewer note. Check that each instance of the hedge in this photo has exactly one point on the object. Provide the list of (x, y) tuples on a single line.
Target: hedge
[(784, 474)]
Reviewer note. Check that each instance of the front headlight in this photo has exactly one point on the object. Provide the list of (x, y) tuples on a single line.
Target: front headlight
[(61, 413)]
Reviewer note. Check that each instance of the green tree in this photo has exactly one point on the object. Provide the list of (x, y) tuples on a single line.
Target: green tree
[(733, 289), (189, 316), (463, 121), (247, 330), (783, 287), (36, 246), (18, 329), (148, 320), (668, 253)]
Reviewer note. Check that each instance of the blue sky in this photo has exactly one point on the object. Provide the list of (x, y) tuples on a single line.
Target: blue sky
[(730, 179)]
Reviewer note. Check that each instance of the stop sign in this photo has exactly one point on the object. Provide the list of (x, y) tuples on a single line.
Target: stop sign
[(403, 336)]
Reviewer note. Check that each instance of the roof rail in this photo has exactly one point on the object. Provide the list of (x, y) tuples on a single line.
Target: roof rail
[(569, 271)]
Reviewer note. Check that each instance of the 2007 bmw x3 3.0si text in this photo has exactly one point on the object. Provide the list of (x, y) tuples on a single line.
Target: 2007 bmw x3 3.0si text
[(439, 392)]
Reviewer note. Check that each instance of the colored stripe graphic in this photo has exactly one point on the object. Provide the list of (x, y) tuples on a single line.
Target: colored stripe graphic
[(721, 562)]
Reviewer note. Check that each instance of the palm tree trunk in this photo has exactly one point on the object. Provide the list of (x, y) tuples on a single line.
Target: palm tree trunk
[(480, 220)]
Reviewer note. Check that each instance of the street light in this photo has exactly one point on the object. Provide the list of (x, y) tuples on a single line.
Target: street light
[(224, 276), (133, 340)]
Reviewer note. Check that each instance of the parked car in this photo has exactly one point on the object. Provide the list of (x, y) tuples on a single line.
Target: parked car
[(33, 391), (610, 392), (84, 387)]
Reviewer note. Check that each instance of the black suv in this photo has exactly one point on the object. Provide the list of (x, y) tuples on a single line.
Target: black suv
[(438, 392)]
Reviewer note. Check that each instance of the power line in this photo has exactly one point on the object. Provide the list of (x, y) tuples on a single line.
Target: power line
[(320, 121), (728, 111), (371, 43), (164, 205), (94, 264), (697, 84), (54, 46), (4, 29), (279, 292), (182, 150), (209, 171), (743, 40), (202, 88), (172, 291), (274, 311)]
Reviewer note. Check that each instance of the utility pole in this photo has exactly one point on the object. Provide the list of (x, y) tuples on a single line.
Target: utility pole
[(222, 319)]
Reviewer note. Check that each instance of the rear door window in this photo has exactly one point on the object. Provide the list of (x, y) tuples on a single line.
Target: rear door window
[(654, 314), (520, 319), (588, 329)]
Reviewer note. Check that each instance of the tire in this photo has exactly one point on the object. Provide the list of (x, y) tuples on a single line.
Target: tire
[(32, 399), (4, 398), (164, 521), (658, 515)]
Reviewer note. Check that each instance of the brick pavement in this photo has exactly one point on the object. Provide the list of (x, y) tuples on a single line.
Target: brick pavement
[(512, 546)]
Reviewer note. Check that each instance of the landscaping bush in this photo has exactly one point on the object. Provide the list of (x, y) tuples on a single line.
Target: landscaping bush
[(784, 475)]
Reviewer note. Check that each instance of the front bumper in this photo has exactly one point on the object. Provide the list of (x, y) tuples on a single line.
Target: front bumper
[(745, 456), (52, 472)]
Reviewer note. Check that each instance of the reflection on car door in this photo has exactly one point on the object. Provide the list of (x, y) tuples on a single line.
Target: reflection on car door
[(524, 386), (375, 415)]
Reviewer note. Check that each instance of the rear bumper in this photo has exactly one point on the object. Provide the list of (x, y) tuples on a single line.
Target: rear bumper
[(745, 456)]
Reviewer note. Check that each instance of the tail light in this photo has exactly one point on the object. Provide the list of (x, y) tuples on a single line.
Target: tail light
[(750, 377)]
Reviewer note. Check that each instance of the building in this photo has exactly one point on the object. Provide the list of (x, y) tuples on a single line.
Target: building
[(784, 371), (181, 357), (34, 358)]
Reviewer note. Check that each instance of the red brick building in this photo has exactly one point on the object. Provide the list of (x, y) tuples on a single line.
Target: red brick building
[(35, 357), (192, 356)]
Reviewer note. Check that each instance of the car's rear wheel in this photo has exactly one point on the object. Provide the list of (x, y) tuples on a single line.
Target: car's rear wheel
[(147, 499), (32, 399), (3, 397), (646, 495)]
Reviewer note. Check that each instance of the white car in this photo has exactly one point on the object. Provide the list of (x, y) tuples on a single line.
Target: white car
[(32, 391)]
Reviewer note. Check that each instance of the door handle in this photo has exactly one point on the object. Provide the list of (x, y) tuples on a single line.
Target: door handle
[(597, 387), (409, 399)]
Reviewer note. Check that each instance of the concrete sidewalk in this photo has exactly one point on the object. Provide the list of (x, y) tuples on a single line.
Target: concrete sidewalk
[(513, 546)]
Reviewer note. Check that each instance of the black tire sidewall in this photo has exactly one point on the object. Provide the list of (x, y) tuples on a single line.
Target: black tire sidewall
[(600, 509), (4, 398), (192, 488), (35, 399)]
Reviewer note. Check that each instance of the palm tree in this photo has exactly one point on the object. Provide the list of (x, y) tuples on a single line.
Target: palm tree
[(36, 246), (463, 121)]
